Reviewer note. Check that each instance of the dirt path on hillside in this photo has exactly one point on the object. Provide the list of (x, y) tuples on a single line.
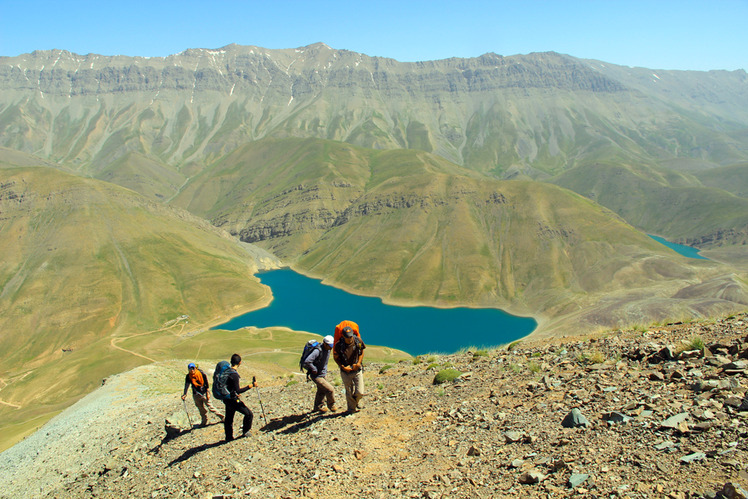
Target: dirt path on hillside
[(6, 384), (113, 342)]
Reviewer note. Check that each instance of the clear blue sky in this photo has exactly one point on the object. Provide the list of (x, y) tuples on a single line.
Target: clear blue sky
[(657, 34)]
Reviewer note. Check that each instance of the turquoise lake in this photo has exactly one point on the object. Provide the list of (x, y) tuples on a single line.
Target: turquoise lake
[(305, 304), (687, 251)]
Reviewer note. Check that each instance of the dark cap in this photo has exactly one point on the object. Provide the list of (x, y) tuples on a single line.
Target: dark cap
[(348, 332)]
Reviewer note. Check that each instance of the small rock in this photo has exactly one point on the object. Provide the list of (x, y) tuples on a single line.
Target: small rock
[(732, 491), (656, 376), (696, 456), (575, 419), (677, 375), (616, 417), (512, 436), (577, 479), (674, 421), (531, 477), (172, 429), (734, 402), (664, 445), (738, 365), (560, 465)]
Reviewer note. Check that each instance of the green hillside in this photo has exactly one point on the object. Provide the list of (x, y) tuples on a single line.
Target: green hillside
[(413, 228), (85, 263), (665, 202), (733, 178)]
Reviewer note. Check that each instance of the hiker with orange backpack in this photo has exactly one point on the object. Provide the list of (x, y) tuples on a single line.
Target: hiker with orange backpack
[(197, 379), (348, 353)]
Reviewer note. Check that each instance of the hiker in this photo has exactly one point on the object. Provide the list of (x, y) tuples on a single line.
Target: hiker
[(316, 368), (348, 353), (233, 402), (197, 379)]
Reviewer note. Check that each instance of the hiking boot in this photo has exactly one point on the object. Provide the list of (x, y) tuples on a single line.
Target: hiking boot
[(334, 408), (321, 409)]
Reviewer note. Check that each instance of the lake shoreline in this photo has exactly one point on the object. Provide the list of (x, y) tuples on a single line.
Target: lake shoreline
[(308, 303)]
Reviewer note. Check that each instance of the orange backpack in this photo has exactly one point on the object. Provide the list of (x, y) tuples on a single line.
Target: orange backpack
[(339, 330)]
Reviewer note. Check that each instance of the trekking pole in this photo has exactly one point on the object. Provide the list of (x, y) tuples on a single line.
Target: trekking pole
[(184, 404), (260, 399)]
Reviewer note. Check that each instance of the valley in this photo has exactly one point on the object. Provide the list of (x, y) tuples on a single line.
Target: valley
[(135, 190)]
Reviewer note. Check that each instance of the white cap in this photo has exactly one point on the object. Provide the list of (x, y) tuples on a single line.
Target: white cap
[(328, 340)]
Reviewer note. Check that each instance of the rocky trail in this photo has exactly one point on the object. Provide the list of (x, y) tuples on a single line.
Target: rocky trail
[(661, 412)]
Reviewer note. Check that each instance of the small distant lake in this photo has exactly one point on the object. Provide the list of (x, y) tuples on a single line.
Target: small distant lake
[(686, 251), (305, 304)]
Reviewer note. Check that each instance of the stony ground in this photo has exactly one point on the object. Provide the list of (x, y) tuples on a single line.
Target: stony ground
[(655, 413)]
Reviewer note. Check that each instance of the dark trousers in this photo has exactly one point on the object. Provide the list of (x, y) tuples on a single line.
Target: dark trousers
[(232, 407)]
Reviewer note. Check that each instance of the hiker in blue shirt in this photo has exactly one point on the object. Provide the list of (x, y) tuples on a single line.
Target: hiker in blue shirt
[(316, 368)]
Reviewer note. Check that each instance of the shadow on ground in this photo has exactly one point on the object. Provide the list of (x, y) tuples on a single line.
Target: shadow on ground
[(291, 424)]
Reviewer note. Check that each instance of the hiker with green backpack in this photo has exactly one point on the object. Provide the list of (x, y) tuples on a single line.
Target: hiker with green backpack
[(226, 387), (314, 360)]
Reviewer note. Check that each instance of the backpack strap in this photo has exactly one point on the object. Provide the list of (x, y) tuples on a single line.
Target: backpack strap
[(342, 345)]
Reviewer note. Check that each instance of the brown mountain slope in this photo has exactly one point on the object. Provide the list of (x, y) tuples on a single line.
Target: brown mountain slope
[(413, 228), (86, 264)]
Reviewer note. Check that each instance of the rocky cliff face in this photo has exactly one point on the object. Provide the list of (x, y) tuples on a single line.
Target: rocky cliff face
[(302, 72), (490, 113)]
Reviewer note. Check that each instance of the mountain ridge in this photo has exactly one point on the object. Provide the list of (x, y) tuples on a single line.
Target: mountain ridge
[(533, 116), (302, 80)]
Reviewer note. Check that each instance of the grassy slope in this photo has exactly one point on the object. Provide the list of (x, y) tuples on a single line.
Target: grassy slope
[(92, 276), (663, 202), (414, 228), (84, 262), (733, 178), (277, 349)]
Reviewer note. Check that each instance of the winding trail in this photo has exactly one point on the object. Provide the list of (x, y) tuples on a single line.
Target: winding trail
[(113, 342)]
